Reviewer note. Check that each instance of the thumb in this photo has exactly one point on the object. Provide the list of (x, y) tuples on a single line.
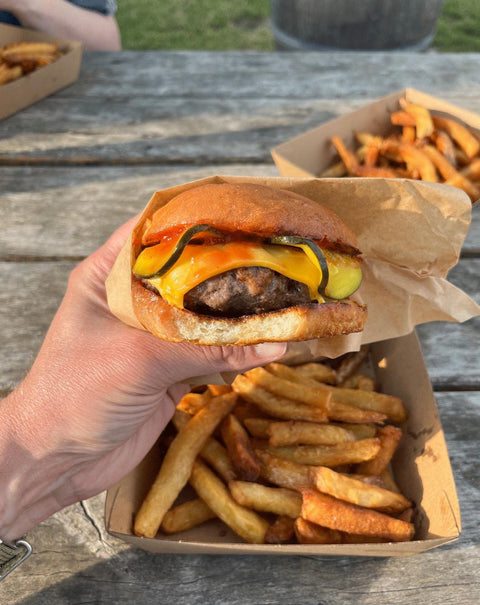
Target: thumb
[(186, 361)]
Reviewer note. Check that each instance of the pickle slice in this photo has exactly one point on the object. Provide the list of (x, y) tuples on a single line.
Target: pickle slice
[(345, 275), (341, 274), (174, 255), (312, 250)]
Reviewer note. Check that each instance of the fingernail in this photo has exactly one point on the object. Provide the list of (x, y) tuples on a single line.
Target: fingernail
[(271, 350)]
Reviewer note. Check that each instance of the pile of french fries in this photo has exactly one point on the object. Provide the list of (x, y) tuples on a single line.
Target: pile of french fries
[(285, 455), (20, 58), (422, 146)]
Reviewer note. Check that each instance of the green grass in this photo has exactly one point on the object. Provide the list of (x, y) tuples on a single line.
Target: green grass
[(195, 24), (459, 27), (244, 25)]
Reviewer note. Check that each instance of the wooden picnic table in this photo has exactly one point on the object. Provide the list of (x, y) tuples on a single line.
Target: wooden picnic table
[(78, 164)]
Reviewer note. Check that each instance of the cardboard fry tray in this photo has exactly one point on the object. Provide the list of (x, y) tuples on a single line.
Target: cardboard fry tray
[(38, 84), (421, 467), (312, 152)]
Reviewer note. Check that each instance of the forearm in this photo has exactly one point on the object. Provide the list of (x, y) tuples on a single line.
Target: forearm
[(60, 18), (32, 474)]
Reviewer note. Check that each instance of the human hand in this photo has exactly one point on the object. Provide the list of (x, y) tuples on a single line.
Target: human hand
[(97, 397)]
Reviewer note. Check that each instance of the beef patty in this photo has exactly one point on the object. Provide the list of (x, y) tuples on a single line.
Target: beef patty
[(245, 291)]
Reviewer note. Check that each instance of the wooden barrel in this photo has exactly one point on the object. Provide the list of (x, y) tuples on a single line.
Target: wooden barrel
[(354, 24)]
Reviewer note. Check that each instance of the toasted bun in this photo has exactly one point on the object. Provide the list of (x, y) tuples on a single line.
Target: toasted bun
[(255, 209), (293, 323)]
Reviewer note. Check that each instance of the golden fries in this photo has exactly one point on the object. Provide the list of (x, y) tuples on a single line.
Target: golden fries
[(276, 406), (292, 444), (177, 464), (389, 438), (20, 58), (278, 500), (289, 389), (337, 514), (422, 145), (186, 515), (239, 448), (306, 433), (358, 492), (280, 531), (328, 455), (246, 523)]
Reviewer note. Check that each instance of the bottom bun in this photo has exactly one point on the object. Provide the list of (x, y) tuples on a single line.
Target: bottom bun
[(302, 322)]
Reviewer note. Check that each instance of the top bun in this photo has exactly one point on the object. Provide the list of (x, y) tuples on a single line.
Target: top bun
[(255, 209)]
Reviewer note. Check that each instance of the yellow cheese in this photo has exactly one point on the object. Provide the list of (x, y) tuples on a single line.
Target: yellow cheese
[(199, 263)]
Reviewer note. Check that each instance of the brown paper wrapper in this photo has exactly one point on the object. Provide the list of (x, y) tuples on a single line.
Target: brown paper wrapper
[(410, 234)]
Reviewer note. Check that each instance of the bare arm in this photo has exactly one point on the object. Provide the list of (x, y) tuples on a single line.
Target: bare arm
[(65, 20), (95, 400)]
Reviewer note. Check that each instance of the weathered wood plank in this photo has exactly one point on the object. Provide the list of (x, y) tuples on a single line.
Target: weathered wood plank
[(289, 75), (447, 347), (75, 562), (205, 108)]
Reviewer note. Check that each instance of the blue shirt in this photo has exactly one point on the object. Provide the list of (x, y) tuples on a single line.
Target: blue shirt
[(104, 7)]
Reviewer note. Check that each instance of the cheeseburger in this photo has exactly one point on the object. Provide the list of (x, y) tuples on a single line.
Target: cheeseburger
[(234, 264)]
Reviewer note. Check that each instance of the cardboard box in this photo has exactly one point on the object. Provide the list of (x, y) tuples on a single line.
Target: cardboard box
[(43, 82), (421, 467), (309, 154)]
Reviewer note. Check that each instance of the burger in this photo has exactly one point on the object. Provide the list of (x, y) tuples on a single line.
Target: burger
[(235, 264)]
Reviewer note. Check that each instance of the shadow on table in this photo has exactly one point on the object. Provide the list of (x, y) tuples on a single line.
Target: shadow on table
[(135, 576)]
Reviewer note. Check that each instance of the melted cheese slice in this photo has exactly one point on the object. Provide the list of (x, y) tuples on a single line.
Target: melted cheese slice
[(199, 263)]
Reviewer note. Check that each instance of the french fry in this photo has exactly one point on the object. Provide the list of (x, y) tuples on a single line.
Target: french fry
[(238, 446), (423, 120), (362, 408), (335, 171), (389, 437), (357, 492), (283, 473), (278, 500), (460, 134), (191, 403), (349, 364), (212, 452), (311, 533), (389, 482), (414, 158), (314, 371), (291, 390), (360, 431), (335, 514), (276, 406), (247, 409), (348, 413), (359, 381), (389, 405), (297, 432), (244, 522), (445, 145), (347, 157), (328, 455), (402, 118), (219, 389), (280, 531), (185, 516), (9, 74), (257, 427), (177, 464), (30, 48)]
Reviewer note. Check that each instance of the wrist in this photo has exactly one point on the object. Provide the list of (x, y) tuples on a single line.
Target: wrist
[(32, 475)]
